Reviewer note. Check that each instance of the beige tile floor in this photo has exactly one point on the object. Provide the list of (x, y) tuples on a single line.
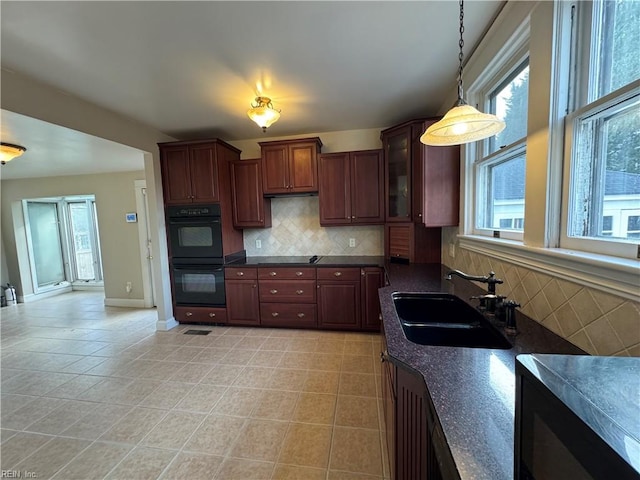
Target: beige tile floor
[(93, 392)]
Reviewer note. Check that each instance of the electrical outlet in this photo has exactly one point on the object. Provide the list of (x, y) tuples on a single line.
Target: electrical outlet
[(352, 242), (129, 287), (258, 243), (452, 250)]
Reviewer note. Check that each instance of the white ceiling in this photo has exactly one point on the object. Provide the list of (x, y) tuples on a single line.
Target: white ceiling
[(191, 69)]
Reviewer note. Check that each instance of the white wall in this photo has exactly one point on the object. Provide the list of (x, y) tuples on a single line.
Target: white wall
[(22, 94), (114, 194)]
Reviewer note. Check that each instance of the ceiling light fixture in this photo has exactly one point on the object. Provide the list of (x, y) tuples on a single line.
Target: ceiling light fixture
[(463, 123), (263, 113), (9, 151)]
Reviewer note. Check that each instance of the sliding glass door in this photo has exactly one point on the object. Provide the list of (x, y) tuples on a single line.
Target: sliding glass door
[(46, 243), (63, 241)]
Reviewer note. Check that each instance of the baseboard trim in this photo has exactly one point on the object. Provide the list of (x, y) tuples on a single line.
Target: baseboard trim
[(124, 302), (165, 325), (33, 297)]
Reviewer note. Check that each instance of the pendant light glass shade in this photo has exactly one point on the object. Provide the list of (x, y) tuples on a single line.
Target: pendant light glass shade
[(263, 113), (462, 124), (9, 151)]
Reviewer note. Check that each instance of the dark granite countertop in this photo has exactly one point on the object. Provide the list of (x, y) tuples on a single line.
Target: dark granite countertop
[(602, 391), (472, 389), (322, 261)]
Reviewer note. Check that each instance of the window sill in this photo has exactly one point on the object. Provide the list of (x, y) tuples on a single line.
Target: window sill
[(618, 276)]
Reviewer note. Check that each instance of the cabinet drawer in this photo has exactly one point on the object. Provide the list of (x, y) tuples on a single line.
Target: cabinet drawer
[(339, 274), (288, 315), (200, 314), (240, 273), (287, 273), (301, 291)]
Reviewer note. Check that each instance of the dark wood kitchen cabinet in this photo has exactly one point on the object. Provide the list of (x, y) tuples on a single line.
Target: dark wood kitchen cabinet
[(412, 242), (288, 297), (200, 314), (339, 298), (190, 170), (371, 279), (412, 431), (351, 187), (250, 208), (290, 166), (241, 288), (422, 182)]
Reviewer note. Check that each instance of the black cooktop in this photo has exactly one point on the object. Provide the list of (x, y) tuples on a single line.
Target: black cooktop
[(296, 260)]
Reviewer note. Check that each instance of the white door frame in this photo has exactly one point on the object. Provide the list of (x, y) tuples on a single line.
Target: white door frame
[(144, 241)]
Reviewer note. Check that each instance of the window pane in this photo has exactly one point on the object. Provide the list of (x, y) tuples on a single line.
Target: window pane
[(504, 195), (81, 241), (45, 239), (606, 173), (617, 62), (509, 103)]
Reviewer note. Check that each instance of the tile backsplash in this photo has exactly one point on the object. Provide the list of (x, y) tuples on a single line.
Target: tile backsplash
[(597, 322), (296, 230)]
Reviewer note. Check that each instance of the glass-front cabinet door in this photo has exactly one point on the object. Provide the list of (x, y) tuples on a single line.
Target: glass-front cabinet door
[(397, 145)]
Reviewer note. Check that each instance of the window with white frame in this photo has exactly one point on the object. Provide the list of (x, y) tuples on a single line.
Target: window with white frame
[(601, 193), (500, 160)]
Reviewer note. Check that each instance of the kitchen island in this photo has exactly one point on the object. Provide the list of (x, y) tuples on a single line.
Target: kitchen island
[(468, 394)]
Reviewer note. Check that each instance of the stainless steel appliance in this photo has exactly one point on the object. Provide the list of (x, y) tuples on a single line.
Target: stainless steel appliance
[(577, 417)]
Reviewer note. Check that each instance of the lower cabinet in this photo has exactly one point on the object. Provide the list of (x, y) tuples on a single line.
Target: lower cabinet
[(288, 297), (416, 447), (371, 279), (241, 288), (339, 298), (200, 314)]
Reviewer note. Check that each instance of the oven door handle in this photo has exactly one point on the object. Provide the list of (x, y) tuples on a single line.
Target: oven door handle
[(193, 221), (208, 268)]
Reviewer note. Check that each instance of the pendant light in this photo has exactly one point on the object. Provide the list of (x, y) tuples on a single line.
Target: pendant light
[(463, 123), (263, 113), (9, 151)]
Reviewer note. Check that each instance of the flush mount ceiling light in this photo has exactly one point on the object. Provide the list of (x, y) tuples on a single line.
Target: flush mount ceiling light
[(9, 151), (263, 113), (463, 123)]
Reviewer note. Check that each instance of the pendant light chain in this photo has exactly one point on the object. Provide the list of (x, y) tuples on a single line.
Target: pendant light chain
[(460, 55)]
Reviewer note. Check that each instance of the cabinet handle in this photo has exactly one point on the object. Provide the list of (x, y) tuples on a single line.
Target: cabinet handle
[(240, 274), (274, 314), (301, 315), (212, 314), (299, 292), (273, 274), (298, 274), (419, 214), (362, 272), (384, 356), (338, 274), (273, 292), (353, 216), (254, 285), (188, 314)]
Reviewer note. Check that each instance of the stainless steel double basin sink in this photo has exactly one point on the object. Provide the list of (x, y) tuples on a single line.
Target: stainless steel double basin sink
[(441, 319)]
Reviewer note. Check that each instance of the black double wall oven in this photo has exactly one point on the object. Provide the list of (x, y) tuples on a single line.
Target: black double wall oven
[(195, 249)]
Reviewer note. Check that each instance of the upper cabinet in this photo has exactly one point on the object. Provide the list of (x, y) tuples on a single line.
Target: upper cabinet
[(422, 183), (351, 188), (190, 170), (290, 166), (250, 208)]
